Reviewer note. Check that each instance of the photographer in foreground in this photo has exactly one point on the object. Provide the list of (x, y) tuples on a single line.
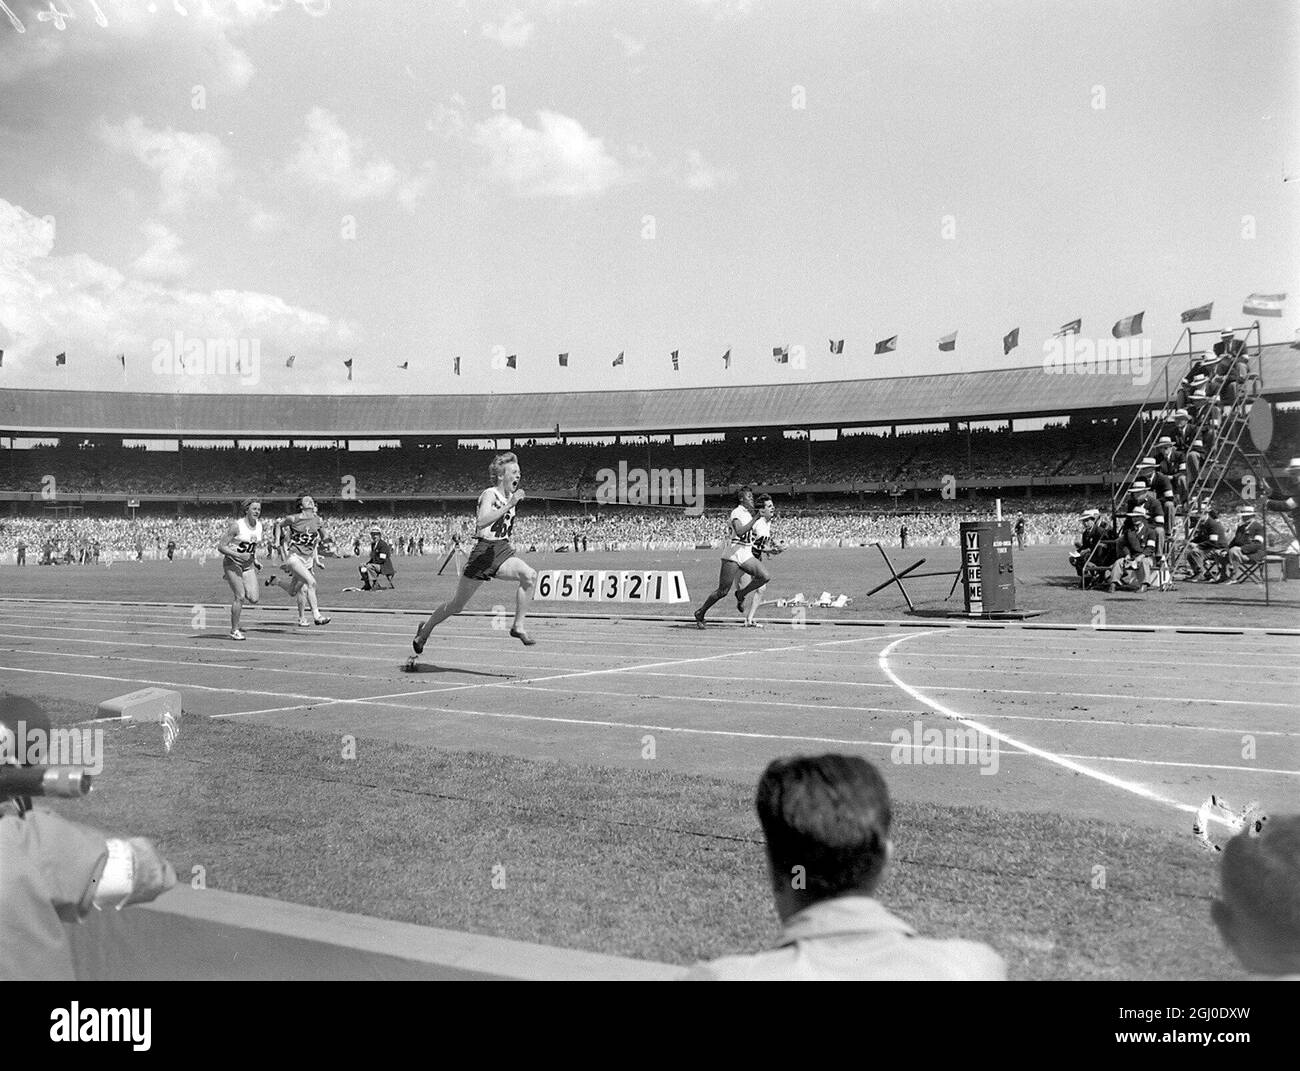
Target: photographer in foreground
[(53, 871)]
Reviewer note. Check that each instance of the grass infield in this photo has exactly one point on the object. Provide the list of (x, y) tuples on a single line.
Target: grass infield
[(649, 863)]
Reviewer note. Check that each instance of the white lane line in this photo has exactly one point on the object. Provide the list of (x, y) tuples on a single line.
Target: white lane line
[(1018, 752), (1059, 760), (1185, 765), (321, 640), (166, 684), (568, 676), (244, 670), (1254, 683), (814, 706), (1129, 697), (1165, 632), (1107, 722), (393, 660), (401, 639)]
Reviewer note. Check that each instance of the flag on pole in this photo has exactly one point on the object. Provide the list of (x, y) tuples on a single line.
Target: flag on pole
[(1128, 327), (837, 347), (948, 342), (564, 360), (887, 345), (1072, 328), (348, 365), (2, 358), (1201, 312), (557, 429), (781, 354), (122, 357), (513, 361), (61, 358), (1264, 305), (455, 366), (404, 365), (618, 360), (1010, 340), (726, 359), (676, 363), (289, 362)]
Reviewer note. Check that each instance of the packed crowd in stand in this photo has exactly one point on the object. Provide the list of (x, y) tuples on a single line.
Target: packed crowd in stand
[(87, 539), (1080, 449)]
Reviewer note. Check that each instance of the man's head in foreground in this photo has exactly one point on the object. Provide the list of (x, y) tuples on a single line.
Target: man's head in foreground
[(1258, 911), (826, 821)]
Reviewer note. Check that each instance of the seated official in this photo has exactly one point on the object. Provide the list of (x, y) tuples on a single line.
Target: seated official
[(1208, 549), (1246, 545), (826, 823), (1083, 546), (380, 562), (1132, 567)]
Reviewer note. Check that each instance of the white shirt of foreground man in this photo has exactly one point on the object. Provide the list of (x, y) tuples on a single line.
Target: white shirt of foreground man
[(855, 938)]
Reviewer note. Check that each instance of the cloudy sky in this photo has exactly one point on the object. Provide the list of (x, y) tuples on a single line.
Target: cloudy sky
[(408, 181)]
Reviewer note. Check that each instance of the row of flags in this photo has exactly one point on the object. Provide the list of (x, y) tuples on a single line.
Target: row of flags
[(1255, 305)]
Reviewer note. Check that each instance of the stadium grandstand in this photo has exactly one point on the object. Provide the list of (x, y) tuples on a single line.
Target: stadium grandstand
[(136, 471)]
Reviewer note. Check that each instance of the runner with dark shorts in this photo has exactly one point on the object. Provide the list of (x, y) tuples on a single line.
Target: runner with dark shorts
[(492, 557)]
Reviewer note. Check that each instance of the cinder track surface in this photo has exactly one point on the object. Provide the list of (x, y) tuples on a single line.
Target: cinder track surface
[(1133, 727)]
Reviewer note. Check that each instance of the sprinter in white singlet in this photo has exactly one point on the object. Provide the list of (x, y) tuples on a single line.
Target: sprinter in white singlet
[(238, 550)]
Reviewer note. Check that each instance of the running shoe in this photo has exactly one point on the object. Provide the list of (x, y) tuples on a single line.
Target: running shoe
[(753, 624), (235, 634), (740, 603), (322, 620), (416, 645), (304, 624), (522, 637), (699, 619)]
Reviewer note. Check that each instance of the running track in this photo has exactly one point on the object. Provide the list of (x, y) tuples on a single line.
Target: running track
[(1125, 727)]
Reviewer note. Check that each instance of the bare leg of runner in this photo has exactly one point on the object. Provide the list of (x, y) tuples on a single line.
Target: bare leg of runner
[(235, 578), (519, 570), (726, 577), (758, 572), (464, 592), (303, 588)]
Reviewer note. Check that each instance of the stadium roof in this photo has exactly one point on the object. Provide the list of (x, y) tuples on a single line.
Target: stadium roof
[(1016, 392)]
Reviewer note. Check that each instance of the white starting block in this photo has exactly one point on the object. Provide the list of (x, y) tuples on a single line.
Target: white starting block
[(611, 585), (146, 705)]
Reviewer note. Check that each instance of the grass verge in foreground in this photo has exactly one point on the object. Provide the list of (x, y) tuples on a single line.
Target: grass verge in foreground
[(649, 864)]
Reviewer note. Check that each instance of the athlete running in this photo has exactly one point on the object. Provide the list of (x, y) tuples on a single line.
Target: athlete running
[(238, 550), (765, 546), (739, 557), (301, 534), (492, 557)]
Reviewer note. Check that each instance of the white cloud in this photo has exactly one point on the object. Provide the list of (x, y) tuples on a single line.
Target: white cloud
[(329, 158), (74, 303), (190, 167), (162, 260), (261, 219), (701, 175), (721, 9), (448, 121), (202, 39), (513, 31), (558, 159), (631, 46)]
